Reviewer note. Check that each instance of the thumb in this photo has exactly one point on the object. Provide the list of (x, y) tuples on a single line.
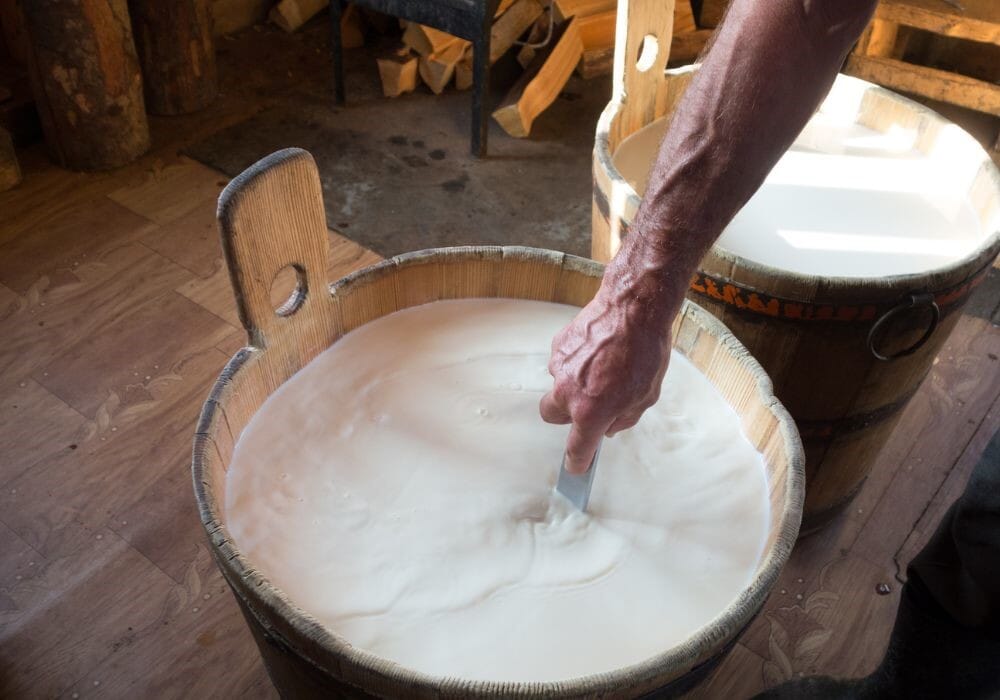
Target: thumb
[(581, 446)]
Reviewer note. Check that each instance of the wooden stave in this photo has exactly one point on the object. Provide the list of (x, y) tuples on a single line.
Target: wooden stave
[(287, 635)]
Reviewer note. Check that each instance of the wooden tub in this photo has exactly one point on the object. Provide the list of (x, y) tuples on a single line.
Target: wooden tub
[(845, 353), (271, 217)]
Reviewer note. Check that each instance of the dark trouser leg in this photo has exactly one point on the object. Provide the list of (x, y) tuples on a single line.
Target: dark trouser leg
[(960, 566), (946, 640)]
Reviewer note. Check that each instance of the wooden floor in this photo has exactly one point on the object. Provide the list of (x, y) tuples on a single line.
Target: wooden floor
[(116, 316)]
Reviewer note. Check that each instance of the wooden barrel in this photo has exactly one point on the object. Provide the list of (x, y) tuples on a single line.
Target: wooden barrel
[(271, 217), (845, 354)]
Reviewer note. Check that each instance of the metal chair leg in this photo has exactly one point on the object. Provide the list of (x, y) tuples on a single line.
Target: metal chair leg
[(337, 51), (480, 96)]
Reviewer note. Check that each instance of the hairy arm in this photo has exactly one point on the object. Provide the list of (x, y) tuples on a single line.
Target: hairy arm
[(769, 66)]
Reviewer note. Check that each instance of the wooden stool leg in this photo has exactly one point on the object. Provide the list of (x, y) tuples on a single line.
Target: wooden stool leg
[(480, 95), (337, 51)]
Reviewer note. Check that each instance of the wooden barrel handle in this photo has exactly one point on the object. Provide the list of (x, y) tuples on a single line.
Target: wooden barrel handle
[(271, 217), (643, 33)]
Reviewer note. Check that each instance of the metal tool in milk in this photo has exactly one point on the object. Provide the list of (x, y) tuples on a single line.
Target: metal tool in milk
[(577, 487)]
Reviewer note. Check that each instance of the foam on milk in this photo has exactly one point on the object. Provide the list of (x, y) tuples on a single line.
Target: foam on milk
[(844, 201), (400, 489)]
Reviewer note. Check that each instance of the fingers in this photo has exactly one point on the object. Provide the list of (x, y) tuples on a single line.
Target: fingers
[(623, 423), (552, 411), (581, 446)]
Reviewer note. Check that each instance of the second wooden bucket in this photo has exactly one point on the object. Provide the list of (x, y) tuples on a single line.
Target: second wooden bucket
[(845, 354)]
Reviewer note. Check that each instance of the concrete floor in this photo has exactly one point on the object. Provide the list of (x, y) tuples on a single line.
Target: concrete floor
[(397, 174)]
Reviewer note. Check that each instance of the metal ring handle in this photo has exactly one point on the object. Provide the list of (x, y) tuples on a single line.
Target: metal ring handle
[(911, 302)]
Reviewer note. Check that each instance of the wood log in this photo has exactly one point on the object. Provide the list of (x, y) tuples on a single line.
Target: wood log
[(539, 86), (712, 12), (597, 36), (87, 83), (685, 48), (230, 16), (596, 62), (512, 24), (526, 54), (683, 18), (398, 72), (177, 54), (597, 31), (505, 31), (502, 7), (15, 36), (425, 41), (292, 14), (10, 171), (463, 71), (582, 8), (438, 68)]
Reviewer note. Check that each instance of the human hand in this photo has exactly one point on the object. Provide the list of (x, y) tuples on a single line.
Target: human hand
[(607, 365)]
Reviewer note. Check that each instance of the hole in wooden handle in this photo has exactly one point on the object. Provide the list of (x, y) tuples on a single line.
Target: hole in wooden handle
[(288, 289), (648, 49)]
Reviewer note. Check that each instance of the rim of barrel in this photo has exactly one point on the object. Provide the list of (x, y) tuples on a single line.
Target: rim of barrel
[(931, 278), (988, 247), (267, 600)]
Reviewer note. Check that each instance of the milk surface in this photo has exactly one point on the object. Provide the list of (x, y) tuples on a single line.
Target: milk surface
[(844, 201), (400, 488)]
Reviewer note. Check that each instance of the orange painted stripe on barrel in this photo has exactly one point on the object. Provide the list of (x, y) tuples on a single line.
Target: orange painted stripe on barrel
[(755, 301)]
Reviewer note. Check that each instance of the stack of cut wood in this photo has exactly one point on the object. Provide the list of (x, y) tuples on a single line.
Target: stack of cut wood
[(438, 59), (553, 37)]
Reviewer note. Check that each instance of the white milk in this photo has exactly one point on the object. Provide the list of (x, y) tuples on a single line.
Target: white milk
[(844, 200), (400, 489)]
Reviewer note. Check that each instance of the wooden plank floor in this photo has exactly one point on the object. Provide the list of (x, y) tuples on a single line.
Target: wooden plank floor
[(116, 316)]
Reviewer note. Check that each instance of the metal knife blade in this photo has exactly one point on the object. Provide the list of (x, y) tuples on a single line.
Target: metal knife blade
[(576, 487)]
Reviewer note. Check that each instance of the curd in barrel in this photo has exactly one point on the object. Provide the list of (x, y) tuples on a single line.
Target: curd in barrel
[(399, 489), (843, 201)]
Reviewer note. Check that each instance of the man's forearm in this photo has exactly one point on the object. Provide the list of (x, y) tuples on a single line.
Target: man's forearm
[(770, 65)]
